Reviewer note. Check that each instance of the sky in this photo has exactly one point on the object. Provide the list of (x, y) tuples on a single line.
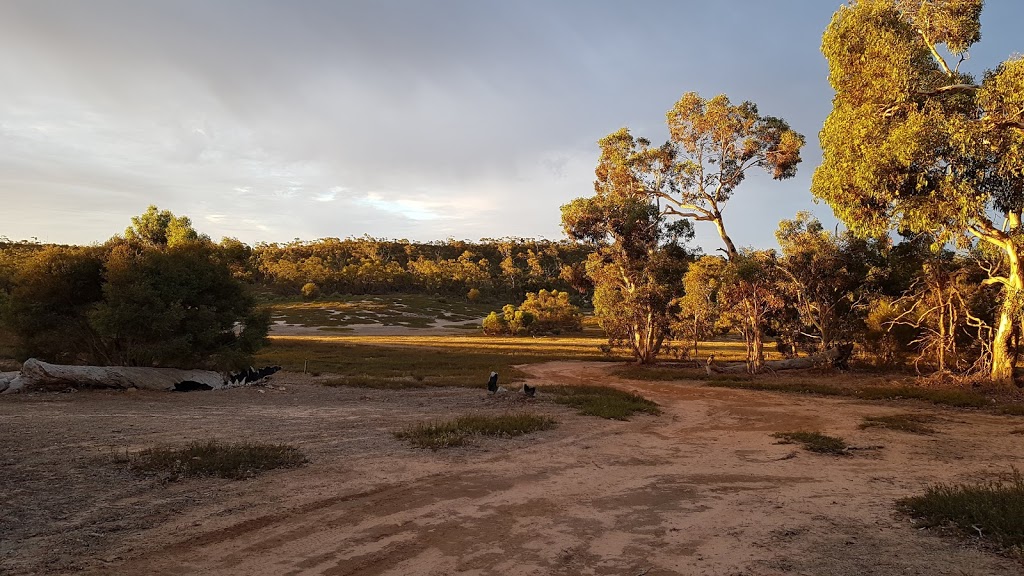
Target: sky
[(269, 121)]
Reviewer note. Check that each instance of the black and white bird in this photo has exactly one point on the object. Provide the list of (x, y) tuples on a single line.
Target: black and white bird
[(530, 391), (492, 383)]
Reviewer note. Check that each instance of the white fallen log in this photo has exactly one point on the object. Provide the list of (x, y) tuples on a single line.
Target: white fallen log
[(37, 374), (5, 379)]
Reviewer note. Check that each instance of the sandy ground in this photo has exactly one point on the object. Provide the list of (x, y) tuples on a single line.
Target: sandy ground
[(701, 489), (439, 327)]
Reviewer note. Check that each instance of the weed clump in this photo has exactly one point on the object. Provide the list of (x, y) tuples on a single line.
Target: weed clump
[(993, 510), (602, 401), (913, 423), (815, 442), (451, 433), (215, 458)]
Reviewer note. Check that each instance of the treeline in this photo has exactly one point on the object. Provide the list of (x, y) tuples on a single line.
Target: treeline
[(498, 269)]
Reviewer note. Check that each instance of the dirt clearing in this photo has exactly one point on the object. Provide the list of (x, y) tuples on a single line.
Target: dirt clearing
[(701, 489)]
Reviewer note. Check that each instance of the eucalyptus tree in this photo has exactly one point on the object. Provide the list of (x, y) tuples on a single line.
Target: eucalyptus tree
[(638, 262), (915, 144), (713, 144)]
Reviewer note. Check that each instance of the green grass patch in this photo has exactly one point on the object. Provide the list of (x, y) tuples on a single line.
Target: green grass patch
[(815, 442), (451, 433), (602, 401), (233, 460), (420, 361), (913, 423), (946, 397), (993, 510)]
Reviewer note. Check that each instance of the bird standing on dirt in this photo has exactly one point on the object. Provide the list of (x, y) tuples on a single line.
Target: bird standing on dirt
[(492, 383), (530, 391)]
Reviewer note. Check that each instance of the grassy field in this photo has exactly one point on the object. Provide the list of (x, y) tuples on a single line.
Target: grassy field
[(449, 360), (452, 433)]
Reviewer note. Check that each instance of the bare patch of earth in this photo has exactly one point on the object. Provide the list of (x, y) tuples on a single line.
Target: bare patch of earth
[(701, 489), (439, 327)]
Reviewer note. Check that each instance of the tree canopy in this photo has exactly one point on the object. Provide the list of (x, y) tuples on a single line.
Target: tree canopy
[(915, 144)]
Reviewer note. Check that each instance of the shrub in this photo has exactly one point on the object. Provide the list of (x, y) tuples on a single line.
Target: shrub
[(815, 442), (494, 324), (452, 433), (310, 291), (473, 294), (993, 510), (214, 458), (541, 313)]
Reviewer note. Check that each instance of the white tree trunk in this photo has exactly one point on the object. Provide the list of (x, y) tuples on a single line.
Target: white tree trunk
[(35, 374)]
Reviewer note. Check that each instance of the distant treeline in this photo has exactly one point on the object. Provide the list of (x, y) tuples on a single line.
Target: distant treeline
[(503, 269)]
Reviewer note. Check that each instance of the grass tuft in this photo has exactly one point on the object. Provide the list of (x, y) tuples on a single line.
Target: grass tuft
[(1012, 409), (913, 423), (456, 432), (215, 458), (815, 442), (993, 510), (602, 401)]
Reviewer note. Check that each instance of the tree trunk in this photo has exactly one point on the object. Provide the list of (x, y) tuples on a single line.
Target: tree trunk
[(1004, 345), (758, 349), (1004, 350), (729, 246)]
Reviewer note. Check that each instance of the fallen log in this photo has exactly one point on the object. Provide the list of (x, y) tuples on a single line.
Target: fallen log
[(37, 374), (837, 357)]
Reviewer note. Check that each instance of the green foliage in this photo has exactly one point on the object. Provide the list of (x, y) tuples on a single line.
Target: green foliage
[(993, 510), (638, 260), (541, 313), (235, 460), (452, 433), (913, 144), (815, 442), (135, 303), (505, 267), (159, 229), (52, 294), (552, 312), (602, 401)]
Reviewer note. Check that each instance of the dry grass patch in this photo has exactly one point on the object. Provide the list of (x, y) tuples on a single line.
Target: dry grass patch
[(233, 460), (419, 361), (451, 433), (602, 401), (913, 423), (992, 510), (815, 442)]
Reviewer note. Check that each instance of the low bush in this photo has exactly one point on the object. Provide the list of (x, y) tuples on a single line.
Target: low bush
[(993, 510), (215, 458), (815, 442), (456, 432)]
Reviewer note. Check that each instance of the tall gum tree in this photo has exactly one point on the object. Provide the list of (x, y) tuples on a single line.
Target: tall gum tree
[(713, 145), (913, 143)]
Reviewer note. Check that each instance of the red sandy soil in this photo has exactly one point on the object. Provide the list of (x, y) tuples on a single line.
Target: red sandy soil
[(701, 489)]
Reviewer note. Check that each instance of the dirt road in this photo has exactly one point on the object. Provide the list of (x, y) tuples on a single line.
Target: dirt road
[(701, 489)]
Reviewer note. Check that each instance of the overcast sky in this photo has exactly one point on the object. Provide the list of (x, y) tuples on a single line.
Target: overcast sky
[(269, 121)]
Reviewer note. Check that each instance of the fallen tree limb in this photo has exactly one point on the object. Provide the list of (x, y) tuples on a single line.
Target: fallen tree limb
[(37, 374), (837, 357)]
